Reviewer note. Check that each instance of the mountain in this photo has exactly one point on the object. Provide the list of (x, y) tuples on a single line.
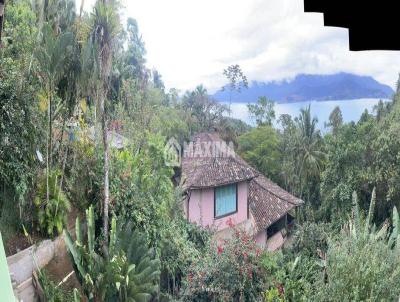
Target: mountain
[(311, 87)]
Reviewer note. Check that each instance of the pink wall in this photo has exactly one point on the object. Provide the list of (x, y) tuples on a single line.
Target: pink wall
[(201, 207), (261, 238), (275, 242)]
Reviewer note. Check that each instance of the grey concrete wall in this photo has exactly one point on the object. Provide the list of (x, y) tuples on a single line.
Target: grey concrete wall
[(22, 265)]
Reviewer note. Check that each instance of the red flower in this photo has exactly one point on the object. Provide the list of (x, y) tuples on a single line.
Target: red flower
[(281, 290), (220, 249)]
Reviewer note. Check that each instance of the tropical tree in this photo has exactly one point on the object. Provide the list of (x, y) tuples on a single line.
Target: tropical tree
[(98, 54), (260, 148), (157, 80), (286, 148), (22, 125), (308, 147), (134, 57), (335, 120), (51, 53), (207, 112), (237, 81), (359, 157), (262, 112)]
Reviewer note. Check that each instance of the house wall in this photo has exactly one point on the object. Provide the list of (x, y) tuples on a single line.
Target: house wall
[(275, 242), (201, 208), (261, 238)]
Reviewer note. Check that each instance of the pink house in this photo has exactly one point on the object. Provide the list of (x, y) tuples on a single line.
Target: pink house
[(220, 186)]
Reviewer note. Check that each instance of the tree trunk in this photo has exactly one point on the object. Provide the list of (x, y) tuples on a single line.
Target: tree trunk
[(106, 180), (51, 128), (105, 70), (48, 146), (230, 102)]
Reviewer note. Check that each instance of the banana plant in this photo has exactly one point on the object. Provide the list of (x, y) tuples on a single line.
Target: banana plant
[(88, 263), (361, 228)]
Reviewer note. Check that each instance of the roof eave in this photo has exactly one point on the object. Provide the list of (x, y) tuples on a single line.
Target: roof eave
[(194, 187), (271, 223)]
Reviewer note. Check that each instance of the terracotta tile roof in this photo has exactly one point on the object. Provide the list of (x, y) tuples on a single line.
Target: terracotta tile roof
[(212, 172), (215, 168), (267, 201)]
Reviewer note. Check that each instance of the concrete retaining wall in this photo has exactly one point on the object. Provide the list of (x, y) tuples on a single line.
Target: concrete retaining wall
[(22, 265)]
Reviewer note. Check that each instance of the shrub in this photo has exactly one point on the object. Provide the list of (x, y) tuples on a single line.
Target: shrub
[(51, 214), (126, 270), (361, 270), (363, 265), (311, 238), (229, 272), (288, 278), (84, 174), (141, 187), (181, 244), (52, 292)]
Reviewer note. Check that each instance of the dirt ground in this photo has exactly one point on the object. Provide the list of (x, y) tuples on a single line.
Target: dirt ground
[(19, 242), (61, 266)]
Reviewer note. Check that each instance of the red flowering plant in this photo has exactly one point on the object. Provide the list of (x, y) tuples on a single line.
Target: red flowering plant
[(229, 270)]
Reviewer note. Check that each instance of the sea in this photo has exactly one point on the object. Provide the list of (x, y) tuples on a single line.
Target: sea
[(351, 110)]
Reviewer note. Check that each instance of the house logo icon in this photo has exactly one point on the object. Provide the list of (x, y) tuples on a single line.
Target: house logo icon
[(172, 153)]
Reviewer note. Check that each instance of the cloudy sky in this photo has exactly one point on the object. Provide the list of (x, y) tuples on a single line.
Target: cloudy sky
[(190, 42)]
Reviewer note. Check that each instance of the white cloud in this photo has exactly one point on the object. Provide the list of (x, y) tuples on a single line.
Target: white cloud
[(192, 41)]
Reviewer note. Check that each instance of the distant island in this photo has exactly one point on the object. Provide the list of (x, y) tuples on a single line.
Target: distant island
[(311, 87)]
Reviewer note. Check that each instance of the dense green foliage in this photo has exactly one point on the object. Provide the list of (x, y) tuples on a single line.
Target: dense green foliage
[(356, 272), (260, 146), (128, 271), (51, 291), (51, 213), (20, 118), (141, 187), (354, 266), (70, 81), (229, 271), (262, 112)]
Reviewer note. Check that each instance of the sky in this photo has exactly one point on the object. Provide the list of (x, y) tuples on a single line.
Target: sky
[(190, 42)]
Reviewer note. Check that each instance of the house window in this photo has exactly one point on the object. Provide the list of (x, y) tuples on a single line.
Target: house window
[(225, 202)]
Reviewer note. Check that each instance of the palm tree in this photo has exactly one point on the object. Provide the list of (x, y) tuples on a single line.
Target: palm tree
[(201, 91), (310, 156), (98, 58), (50, 54)]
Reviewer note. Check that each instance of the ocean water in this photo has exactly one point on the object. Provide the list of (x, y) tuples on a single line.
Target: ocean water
[(351, 110)]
